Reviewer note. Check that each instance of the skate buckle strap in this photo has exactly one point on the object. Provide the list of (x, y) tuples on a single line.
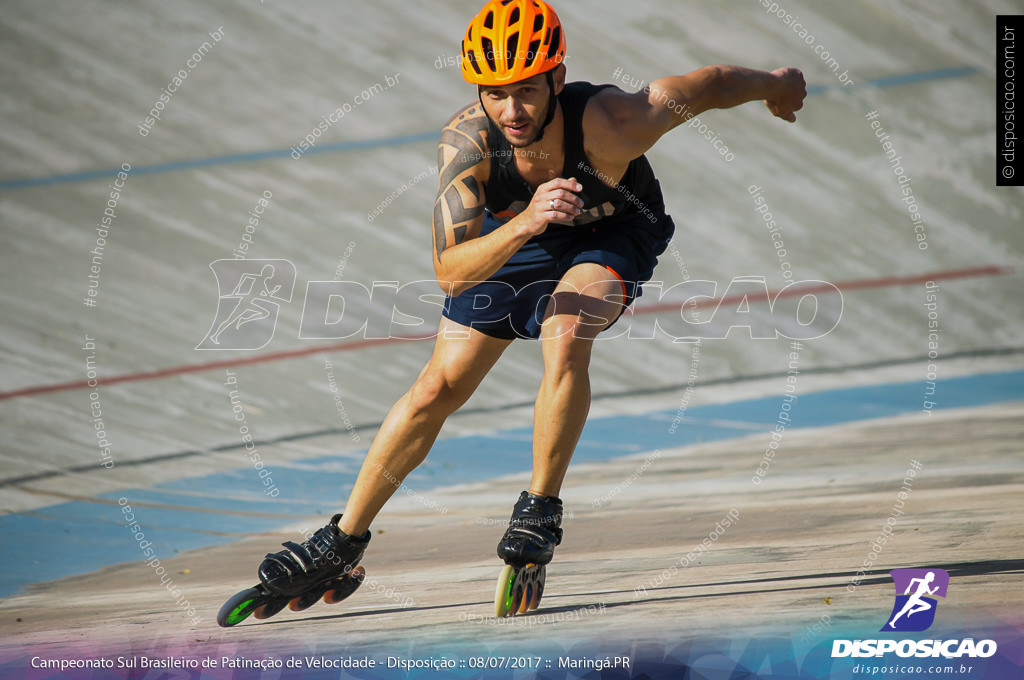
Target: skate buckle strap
[(542, 534), (295, 559), (319, 549), (541, 513), (537, 517)]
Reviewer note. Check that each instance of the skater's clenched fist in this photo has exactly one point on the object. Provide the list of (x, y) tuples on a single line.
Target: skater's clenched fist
[(555, 201)]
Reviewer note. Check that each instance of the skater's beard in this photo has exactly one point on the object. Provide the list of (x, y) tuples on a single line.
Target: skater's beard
[(523, 131)]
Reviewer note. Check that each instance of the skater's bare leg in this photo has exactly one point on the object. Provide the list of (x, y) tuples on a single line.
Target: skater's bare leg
[(586, 301), (461, 359)]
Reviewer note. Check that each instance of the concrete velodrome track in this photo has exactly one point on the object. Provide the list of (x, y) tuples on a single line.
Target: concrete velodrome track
[(108, 290)]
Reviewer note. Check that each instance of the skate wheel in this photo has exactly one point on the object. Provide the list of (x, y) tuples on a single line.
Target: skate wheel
[(538, 588), (503, 592), (340, 588), (524, 588), (524, 604), (517, 596), (253, 601), (273, 606), (533, 583), (306, 600)]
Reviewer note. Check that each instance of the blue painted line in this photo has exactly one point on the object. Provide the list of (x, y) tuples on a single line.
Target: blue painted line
[(78, 537), (383, 142), (900, 80), (924, 76), (218, 160)]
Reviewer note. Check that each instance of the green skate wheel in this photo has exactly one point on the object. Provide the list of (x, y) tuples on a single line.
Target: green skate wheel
[(504, 591), (252, 601)]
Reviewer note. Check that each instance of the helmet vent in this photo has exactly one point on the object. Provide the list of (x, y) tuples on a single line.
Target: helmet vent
[(514, 17), (534, 53), (511, 49), (489, 20), (538, 22), (471, 57), (556, 41), (488, 48)]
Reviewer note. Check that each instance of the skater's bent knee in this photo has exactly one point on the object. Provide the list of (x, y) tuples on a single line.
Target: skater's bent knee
[(433, 393), (567, 355)]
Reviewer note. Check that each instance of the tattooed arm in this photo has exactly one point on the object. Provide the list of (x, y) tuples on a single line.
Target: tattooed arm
[(461, 255)]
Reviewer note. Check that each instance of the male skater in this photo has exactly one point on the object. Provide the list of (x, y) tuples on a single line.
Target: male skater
[(548, 219)]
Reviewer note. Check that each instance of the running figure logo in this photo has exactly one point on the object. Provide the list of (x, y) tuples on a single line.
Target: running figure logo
[(914, 611), (251, 293)]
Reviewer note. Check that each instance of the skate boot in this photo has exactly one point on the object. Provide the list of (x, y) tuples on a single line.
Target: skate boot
[(323, 566), (527, 547)]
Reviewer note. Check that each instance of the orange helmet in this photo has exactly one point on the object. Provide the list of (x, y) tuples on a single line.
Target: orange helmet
[(512, 40)]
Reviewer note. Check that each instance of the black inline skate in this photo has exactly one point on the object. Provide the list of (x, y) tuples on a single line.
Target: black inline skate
[(324, 566), (527, 547)]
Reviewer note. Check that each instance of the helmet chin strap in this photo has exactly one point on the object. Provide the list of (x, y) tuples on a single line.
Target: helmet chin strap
[(552, 104)]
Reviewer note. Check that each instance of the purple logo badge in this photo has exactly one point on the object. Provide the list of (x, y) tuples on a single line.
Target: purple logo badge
[(914, 609)]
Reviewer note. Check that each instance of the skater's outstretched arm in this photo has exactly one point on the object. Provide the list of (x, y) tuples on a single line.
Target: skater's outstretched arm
[(634, 122)]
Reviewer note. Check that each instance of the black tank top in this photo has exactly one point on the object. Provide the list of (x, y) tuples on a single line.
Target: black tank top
[(638, 192)]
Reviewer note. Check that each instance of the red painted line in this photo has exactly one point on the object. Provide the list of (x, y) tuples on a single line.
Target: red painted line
[(211, 365), (825, 287), (789, 291)]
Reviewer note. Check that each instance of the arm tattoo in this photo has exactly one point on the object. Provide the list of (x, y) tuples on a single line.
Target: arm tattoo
[(462, 147)]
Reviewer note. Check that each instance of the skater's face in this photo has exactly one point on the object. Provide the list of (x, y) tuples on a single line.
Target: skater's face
[(520, 109)]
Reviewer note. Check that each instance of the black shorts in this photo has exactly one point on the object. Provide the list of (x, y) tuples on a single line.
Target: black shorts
[(512, 302)]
